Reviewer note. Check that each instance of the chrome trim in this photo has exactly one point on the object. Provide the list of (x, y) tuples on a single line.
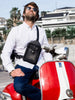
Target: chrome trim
[(4, 95)]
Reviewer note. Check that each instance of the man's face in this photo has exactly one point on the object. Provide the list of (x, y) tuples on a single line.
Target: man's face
[(30, 13)]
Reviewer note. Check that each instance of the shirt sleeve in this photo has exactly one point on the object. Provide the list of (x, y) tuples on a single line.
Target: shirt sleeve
[(7, 50)]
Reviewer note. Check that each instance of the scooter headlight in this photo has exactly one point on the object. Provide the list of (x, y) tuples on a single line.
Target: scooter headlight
[(5, 96)]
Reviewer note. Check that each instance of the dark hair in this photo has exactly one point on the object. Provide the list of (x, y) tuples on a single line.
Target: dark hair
[(34, 5)]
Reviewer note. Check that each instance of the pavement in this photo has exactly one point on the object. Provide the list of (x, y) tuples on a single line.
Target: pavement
[(71, 56), (5, 78)]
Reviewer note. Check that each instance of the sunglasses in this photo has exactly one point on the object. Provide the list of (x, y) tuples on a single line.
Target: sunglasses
[(34, 9)]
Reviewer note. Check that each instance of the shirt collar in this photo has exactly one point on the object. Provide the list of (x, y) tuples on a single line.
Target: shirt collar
[(27, 26)]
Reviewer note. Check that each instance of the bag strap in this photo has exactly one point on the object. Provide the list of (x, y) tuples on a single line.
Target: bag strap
[(37, 33)]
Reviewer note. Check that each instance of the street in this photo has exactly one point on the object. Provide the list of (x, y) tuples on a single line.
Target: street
[(4, 78)]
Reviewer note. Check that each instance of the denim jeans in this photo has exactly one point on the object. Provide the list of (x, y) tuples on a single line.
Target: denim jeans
[(22, 86)]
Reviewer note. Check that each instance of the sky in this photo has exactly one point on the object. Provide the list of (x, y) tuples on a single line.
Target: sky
[(44, 5)]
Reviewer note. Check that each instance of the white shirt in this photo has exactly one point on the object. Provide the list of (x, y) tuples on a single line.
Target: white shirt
[(18, 39)]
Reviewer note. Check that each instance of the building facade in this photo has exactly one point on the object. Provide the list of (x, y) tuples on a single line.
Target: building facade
[(59, 18)]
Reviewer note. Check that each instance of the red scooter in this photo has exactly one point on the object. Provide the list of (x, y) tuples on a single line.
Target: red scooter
[(56, 81)]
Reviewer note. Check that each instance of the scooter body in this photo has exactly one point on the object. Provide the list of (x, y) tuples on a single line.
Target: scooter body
[(56, 81)]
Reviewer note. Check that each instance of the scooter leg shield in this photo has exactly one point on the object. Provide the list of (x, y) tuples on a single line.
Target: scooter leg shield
[(56, 78)]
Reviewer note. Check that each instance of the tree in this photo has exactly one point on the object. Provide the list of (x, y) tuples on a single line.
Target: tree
[(60, 32), (15, 15), (70, 32), (48, 33), (9, 23)]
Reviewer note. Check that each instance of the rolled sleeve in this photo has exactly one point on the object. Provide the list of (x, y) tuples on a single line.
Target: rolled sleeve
[(7, 50)]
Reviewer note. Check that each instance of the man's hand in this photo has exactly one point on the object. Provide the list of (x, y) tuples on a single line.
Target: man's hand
[(17, 72)]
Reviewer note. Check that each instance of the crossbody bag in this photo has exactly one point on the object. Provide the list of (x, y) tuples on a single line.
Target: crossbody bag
[(33, 50)]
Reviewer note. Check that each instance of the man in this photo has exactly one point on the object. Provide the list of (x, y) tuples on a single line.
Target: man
[(18, 39)]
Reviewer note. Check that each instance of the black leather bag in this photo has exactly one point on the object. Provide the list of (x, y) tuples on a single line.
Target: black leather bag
[(33, 50)]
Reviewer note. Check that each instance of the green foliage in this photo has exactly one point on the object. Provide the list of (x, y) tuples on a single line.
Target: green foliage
[(1, 39), (4, 30), (60, 32), (14, 18), (9, 23), (70, 32), (15, 14), (48, 33), (1, 47), (18, 23)]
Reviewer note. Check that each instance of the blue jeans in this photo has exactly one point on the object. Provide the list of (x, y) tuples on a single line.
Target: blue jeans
[(22, 86)]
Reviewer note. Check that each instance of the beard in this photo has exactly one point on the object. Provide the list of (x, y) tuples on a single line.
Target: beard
[(30, 18)]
